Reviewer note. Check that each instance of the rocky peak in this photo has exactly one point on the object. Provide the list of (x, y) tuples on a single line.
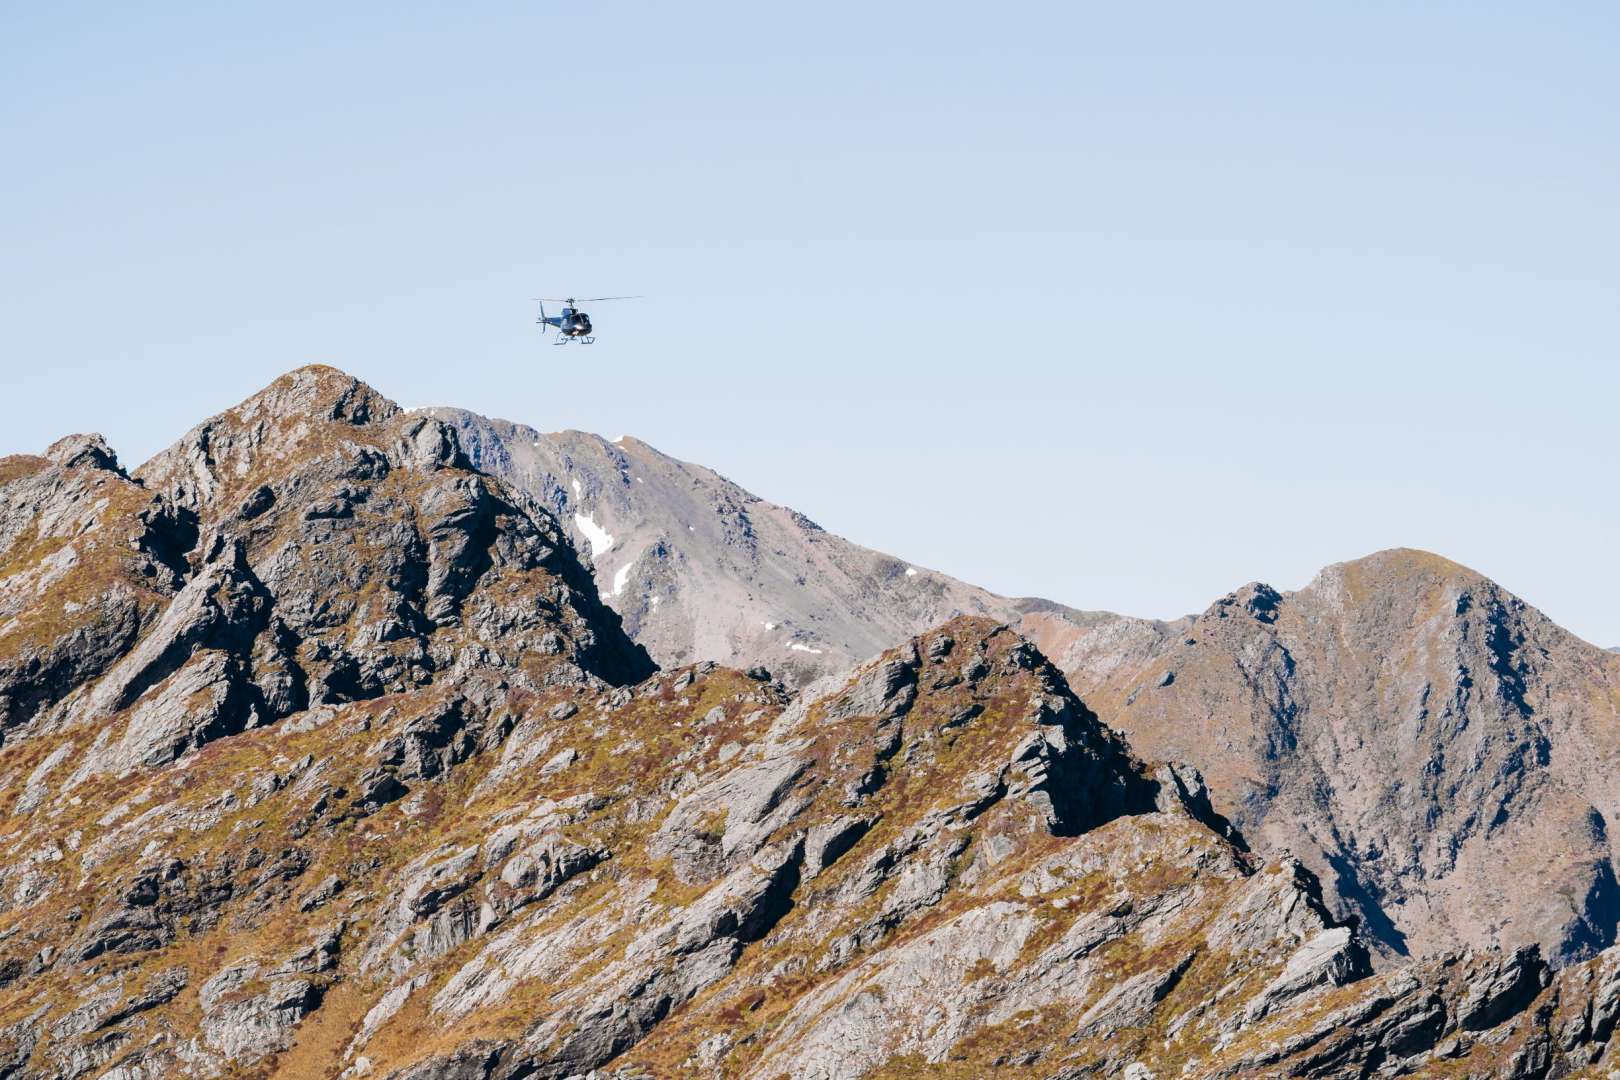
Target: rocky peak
[(1256, 600), (86, 450), (308, 413), (319, 392), (1410, 728), (700, 568), (1405, 571), (320, 545)]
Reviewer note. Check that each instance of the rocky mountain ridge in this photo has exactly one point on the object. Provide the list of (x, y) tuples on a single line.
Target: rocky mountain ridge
[(323, 757), (701, 569), (1408, 751)]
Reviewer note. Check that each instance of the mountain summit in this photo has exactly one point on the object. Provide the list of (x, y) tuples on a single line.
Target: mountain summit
[(313, 545), (1439, 750), (701, 569)]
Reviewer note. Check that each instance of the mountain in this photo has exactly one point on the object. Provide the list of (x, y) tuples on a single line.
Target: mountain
[(1443, 754), (323, 757), (1425, 741), (699, 568), (313, 545)]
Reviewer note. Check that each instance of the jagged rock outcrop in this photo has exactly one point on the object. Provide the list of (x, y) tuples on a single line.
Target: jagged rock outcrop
[(1488, 1013), (88, 561)]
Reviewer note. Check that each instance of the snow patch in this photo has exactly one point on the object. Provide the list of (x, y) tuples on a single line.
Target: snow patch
[(796, 647), (599, 538), (622, 575), (770, 626), (654, 600), (911, 571), (578, 494)]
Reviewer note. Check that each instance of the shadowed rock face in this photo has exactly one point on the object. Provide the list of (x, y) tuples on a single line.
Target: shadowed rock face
[(329, 761), (88, 560)]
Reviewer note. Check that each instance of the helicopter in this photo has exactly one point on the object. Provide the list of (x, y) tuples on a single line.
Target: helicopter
[(573, 324)]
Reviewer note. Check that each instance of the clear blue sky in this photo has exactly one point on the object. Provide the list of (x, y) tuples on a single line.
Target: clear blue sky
[(1119, 304)]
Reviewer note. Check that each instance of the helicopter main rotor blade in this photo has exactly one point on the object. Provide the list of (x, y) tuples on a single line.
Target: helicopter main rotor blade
[(586, 299)]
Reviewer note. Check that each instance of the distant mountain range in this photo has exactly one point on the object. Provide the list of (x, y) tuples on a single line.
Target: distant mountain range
[(341, 740)]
